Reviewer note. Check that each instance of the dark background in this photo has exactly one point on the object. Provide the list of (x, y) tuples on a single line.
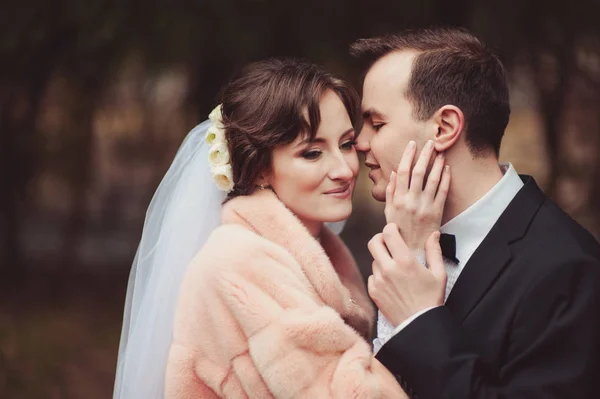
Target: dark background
[(96, 95)]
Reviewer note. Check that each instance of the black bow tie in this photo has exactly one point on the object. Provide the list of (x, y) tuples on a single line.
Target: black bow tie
[(448, 244)]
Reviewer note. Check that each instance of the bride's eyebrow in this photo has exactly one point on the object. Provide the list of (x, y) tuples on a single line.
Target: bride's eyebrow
[(347, 132), (309, 140), (320, 140)]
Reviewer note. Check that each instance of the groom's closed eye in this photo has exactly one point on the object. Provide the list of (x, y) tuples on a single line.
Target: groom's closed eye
[(377, 125), (375, 118)]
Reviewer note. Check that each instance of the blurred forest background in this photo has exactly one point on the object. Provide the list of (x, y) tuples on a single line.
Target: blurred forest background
[(96, 96)]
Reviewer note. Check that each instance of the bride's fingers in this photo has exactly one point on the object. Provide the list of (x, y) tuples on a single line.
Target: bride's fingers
[(418, 173), (442, 192), (435, 176), (403, 175)]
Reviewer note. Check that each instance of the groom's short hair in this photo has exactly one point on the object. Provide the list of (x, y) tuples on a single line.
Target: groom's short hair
[(452, 67)]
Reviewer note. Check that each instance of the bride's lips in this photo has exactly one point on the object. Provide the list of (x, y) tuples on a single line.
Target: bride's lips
[(341, 192)]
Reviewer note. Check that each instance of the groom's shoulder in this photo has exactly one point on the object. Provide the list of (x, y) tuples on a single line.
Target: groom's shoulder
[(555, 248), (560, 234)]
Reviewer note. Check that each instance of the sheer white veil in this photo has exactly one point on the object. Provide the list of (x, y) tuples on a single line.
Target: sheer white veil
[(184, 211)]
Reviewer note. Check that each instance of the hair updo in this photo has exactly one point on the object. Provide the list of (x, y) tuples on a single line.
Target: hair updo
[(265, 106)]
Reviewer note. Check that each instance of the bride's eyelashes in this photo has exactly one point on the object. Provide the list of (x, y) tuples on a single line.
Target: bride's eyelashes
[(315, 153), (348, 145), (311, 154)]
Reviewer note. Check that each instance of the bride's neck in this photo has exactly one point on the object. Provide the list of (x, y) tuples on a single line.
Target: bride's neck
[(314, 227)]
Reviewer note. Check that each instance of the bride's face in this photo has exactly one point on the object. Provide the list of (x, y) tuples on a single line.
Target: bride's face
[(315, 179)]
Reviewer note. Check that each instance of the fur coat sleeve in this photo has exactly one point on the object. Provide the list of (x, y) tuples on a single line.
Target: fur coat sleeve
[(250, 325)]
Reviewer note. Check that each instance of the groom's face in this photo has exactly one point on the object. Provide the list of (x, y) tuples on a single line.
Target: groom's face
[(389, 123)]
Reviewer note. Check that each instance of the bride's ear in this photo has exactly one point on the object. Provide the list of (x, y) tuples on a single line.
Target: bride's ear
[(263, 180), (449, 121)]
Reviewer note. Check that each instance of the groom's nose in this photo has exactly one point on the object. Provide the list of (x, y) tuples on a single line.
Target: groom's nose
[(363, 142)]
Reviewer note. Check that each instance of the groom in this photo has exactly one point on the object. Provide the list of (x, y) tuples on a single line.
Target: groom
[(517, 312)]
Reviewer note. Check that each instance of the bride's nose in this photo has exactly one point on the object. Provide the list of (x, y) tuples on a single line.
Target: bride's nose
[(339, 168)]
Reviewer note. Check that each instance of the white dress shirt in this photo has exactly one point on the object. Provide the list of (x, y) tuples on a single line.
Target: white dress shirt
[(470, 228)]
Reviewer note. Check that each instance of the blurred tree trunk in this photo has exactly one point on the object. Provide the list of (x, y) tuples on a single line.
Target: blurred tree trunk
[(23, 87), (80, 172), (9, 202), (595, 194), (594, 197), (550, 52), (19, 108), (206, 78), (552, 89), (452, 13)]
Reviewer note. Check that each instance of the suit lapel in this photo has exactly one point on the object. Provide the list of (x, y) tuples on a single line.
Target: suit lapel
[(488, 261), (494, 254)]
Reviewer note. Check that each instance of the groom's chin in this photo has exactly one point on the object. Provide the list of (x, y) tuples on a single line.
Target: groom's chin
[(378, 193)]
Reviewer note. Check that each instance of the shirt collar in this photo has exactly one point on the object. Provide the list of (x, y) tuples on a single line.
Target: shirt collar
[(472, 225)]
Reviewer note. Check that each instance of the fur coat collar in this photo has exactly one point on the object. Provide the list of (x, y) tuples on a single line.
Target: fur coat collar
[(327, 263)]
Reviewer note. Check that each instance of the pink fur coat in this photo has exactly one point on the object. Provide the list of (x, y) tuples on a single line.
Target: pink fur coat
[(267, 312)]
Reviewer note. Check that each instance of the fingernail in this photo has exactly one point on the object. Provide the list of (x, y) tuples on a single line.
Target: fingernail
[(429, 144), (411, 144), (440, 155), (447, 168), (437, 235)]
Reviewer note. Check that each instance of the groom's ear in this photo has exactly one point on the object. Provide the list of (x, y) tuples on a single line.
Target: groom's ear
[(449, 121)]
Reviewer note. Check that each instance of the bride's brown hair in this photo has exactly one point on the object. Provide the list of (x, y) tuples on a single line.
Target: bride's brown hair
[(265, 106)]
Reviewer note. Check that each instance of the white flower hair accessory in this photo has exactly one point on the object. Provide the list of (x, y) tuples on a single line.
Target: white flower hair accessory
[(218, 153)]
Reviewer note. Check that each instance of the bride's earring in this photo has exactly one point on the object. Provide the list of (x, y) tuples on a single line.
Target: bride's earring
[(262, 186)]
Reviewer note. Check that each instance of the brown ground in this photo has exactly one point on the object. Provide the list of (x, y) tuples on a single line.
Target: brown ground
[(59, 339)]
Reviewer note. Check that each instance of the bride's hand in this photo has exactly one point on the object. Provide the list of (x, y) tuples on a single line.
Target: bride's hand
[(412, 204)]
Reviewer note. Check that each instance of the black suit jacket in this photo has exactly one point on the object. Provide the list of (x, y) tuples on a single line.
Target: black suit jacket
[(522, 321)]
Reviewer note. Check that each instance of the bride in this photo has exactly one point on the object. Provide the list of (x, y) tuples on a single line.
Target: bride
[(239, 289)]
